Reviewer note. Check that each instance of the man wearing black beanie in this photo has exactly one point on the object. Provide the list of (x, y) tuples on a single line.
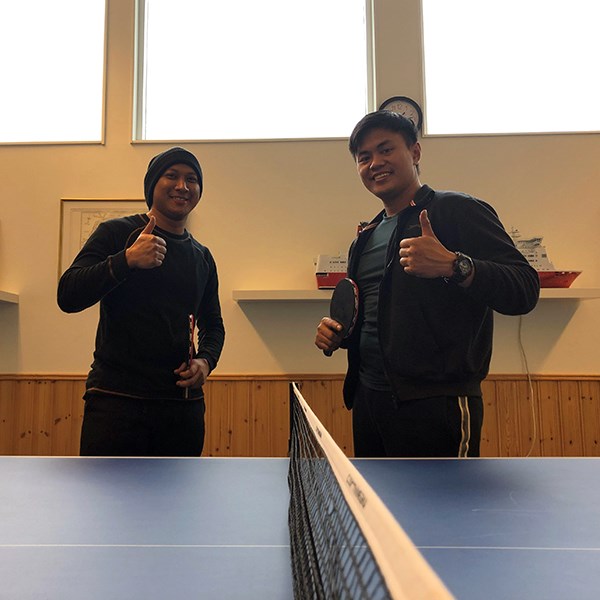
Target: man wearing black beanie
[(158, 165), (154, 283)]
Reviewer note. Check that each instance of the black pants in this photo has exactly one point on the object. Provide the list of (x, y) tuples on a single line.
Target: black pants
[(117, 426), (444, 426)]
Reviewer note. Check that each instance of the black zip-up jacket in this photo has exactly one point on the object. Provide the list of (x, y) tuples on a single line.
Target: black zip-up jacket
[(142, 334), (436, 337)]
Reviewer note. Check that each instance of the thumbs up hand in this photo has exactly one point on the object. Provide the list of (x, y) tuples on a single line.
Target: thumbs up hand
[(426, 256), (148, 251)]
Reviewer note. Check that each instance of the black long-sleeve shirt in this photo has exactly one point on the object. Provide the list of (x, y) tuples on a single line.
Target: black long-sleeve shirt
[(142, 334)]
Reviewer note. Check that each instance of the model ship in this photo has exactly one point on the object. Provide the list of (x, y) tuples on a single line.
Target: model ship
[(330, 270), (537, 256)]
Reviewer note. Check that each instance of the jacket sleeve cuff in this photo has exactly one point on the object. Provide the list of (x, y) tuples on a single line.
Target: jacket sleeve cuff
[(119, 269), (211, 362)]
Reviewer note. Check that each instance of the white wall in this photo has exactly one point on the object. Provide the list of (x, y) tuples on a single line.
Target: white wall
[(269, 208)]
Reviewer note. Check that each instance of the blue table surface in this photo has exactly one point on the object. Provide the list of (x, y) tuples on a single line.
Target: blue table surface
[(144, 529), (499, 529)]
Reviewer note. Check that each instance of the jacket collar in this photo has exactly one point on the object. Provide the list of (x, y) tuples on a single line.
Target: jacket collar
[(420, 199)]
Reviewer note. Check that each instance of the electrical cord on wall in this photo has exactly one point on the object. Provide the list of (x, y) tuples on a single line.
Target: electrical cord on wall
[(531, 392)]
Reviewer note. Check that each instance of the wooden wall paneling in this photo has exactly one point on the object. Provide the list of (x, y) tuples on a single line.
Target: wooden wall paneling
[(507, 406), (24, 417), (8, 409), (590, 417), (341, 419), (226, 405), (490, 442), (569, 403), (549, 419), (239, 412), (212, 416), (249, 415), (42, 417), (269, 418), (527, 418), (68, 407)]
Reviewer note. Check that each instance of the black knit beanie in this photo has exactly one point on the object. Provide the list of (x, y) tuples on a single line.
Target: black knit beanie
[(161, 162)]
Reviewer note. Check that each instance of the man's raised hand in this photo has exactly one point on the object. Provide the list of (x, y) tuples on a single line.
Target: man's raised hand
[(425, 256), (148, 251)]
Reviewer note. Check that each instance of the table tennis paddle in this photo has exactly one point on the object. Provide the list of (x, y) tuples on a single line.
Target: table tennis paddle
[(344, 307), (191, 349)]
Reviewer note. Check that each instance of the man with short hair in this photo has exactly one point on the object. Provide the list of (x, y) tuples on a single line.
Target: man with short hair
[(431, 268), (153, 280)]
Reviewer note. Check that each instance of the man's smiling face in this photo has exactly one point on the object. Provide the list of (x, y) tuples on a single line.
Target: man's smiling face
[(177, 192), (388, 166)]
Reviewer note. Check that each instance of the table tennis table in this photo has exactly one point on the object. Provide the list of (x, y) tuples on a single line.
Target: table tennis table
[(170, 528)]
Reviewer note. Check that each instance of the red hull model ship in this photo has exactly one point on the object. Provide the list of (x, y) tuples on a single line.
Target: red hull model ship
[(536, 255), (330, 270)]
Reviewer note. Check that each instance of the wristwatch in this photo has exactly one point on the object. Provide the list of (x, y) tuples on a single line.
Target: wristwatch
[(462, 268)]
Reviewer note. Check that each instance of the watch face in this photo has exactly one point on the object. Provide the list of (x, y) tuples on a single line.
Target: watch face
[(464, 266), (406, 107)]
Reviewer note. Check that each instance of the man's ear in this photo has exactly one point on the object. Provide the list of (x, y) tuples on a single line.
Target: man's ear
[(416, 153)]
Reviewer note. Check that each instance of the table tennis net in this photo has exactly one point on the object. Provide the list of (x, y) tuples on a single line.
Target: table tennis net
[(345, 544)]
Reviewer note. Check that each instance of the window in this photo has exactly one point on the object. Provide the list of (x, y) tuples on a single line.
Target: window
[(511, 66), (241, 69), (52, 70)]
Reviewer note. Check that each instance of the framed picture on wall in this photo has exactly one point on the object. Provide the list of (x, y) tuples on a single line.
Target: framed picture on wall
[(79, 217)]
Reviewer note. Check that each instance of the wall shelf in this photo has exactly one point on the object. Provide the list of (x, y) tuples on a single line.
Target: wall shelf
[(573, 293), (9, 297), (282, 295), (325, 295)]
